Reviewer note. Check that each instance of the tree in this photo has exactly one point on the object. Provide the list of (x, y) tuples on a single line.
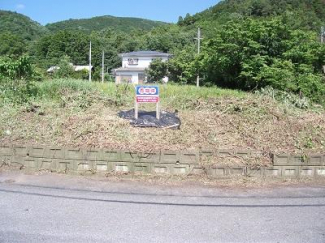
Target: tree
[(182, 67), (157, 70), (51, 49), (253, 54), (180, 20), (12, 45), (65, 68)]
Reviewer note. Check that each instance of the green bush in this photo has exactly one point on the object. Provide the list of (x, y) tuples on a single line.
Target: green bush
[(16, 91), (65, 69), (17, 69), (17, 80), (253, 53)]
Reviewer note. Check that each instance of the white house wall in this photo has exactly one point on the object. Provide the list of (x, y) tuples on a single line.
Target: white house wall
[(143, 62), (134, 75)]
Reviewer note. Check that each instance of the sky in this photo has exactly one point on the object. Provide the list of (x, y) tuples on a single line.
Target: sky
[(49, 11)]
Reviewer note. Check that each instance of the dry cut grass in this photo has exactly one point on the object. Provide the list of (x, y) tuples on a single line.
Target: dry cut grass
[(211, 119)]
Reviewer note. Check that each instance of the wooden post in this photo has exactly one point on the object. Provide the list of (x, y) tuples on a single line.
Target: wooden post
[(136, 109), (158, 110)]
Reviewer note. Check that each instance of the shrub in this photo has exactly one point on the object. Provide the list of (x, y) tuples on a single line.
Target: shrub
[(17, 80)]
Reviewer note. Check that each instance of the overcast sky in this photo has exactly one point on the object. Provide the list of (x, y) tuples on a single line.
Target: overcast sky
[(49, 11)]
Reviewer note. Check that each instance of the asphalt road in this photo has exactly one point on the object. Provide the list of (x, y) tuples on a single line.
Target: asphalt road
[(53, 208)]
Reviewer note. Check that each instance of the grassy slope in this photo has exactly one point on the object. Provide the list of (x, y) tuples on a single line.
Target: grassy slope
[(76, 113)]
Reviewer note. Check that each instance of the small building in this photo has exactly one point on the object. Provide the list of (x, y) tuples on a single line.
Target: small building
[(134, 65), (76, 68)]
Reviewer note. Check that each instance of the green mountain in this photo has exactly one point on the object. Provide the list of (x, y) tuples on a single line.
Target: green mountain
[(302, 14), (20, 25), (104, 22)]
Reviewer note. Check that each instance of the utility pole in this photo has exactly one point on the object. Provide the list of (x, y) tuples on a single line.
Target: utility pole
[(322, 34), (90, 61), (198, 52), (103, 66)]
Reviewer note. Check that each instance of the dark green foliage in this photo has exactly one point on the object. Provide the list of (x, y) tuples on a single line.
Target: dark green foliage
[(17, 69), (52, 48), (157, 70), (65, 68), (103, 22), (16, 80), (20, 25), (11, 45), (182, 66), (253, 54)]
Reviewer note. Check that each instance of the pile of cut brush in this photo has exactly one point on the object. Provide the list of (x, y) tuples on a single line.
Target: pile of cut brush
[(148, 119)]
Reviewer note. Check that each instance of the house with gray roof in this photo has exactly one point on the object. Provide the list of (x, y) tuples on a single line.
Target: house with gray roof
[(134, 65)]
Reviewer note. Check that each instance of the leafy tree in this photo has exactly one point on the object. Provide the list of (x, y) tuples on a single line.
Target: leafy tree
[(16, 80), (157, 70), (180, 20), (65, 68), (12, 45), (182, 66), (17, 69), (50, 49), (254, 54)]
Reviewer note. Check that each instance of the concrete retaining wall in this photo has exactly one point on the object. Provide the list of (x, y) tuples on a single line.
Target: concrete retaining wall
[(203, 162)]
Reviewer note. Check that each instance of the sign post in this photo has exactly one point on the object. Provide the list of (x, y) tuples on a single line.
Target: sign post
[(146, 94)]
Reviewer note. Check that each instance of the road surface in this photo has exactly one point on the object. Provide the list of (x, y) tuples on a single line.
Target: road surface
[(57, 208)]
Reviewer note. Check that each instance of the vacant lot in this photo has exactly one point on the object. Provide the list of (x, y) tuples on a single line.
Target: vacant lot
[(77, 113)]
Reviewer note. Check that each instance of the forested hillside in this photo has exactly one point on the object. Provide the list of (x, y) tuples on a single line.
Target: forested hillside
[(305, 14), (104, 22), (20, 25)]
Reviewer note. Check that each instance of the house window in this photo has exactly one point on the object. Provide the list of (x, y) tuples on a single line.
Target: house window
[(133, 61)]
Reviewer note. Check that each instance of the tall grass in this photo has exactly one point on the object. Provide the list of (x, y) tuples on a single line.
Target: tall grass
[(171, 95), (56, 88)]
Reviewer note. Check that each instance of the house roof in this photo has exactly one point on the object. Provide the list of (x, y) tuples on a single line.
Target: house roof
[(75, 68), (52, 69), (145, 54), (80, 68), (129, 70)]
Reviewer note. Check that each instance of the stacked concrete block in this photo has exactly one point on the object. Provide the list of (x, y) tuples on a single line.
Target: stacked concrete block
[(220, 172), (5, 155), (190, 162), (274, 171), (255, 172), (144, 161), (238, 171), (300, 166), (166, 162)]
